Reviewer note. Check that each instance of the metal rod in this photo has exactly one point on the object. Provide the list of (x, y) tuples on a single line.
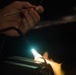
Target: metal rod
[(40, 2), (15, 12)]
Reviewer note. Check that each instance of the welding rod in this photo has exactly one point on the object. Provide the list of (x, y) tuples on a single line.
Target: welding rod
[(15, 12), (40, 2)]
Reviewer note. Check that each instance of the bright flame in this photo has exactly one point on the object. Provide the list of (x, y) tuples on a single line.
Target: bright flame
[(37, 57), (55, 66), (35, 53)]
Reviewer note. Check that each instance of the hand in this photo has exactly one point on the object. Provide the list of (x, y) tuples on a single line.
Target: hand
[(24, 20), (55, 66)]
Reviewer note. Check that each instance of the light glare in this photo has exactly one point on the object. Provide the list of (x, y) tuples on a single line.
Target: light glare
[(37, 56)]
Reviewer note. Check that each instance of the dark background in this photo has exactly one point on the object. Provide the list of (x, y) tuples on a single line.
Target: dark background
[(59, 40)]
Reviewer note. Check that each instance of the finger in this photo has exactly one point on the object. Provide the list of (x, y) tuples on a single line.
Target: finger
[(39, 9), (21, 5), (29, 19), (24, 26), (34, 15)]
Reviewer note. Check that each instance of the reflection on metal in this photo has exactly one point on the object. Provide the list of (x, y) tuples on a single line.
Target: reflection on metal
[(17, 65), (63, 20), (20, 64)]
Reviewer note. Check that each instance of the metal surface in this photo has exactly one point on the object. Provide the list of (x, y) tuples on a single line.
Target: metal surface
[(20, 66)]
